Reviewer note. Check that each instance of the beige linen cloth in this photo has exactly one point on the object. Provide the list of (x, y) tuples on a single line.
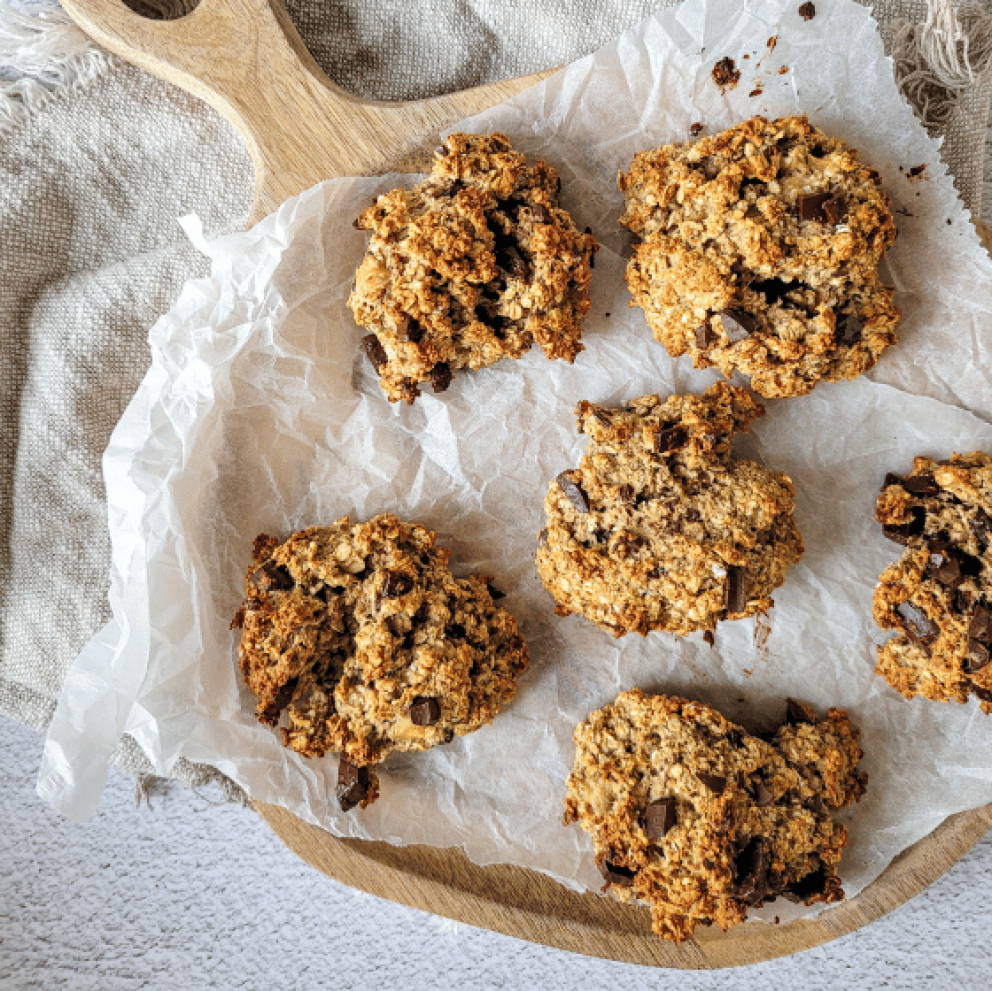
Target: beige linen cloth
[(98, 161)]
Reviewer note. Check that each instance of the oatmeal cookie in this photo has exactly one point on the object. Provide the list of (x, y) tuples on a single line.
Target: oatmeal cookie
[(476, 263), (938, 596), (701, 820), (660, 527), (759, 253), (357, 639)]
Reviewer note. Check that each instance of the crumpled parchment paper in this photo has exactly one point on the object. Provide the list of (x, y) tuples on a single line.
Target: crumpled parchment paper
[(259, 414)]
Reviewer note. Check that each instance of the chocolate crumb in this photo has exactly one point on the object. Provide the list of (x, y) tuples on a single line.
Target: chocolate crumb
[(696, 129), (807, 11), (922, 485), (709, 638)]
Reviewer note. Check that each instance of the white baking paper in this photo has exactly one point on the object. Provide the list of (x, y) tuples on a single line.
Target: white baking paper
[(259, 414)]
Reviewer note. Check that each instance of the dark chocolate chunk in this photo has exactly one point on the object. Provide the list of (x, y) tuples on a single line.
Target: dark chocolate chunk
[(944, 566), (441, 376), (834, 210), (659, 817), (922, 485), (916, 624), (976, 658), (409, 330), (807, 11), (762, 795), (510, 259), (738, 324), (751, 866), (353, 784), (272, 577), (981, 524), (572, 489), (375, 352), (670, 439), (714, 782), (424, 711), (617, 874), (772, 289), (980, 693), (810, 206), (797, 712), (981, 625), (891, 479), (847, 331), (808, 888), (395, 585), (704, 336), (902, 533), (736, 589)]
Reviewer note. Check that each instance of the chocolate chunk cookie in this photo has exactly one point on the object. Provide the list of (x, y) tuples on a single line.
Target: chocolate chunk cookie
[(939, 594), (660, 527), (476, 263), (759, 254), (702, 820), (357, 639)]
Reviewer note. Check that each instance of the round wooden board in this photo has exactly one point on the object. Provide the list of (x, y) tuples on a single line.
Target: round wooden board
[(530, 906), (245, 58)]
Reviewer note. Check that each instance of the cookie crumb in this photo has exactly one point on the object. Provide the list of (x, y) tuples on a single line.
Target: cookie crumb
[(726, 74)]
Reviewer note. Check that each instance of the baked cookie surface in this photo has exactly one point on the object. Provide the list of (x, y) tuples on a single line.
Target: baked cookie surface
[(759, 254), (660, 527), (703, 821), (938, 596), (476, 263), (357, 639)]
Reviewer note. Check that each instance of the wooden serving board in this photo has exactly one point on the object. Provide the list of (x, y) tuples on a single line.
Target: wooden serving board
[(246, 60)]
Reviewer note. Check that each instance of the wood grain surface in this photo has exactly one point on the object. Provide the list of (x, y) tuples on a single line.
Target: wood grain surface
[(246, 60)]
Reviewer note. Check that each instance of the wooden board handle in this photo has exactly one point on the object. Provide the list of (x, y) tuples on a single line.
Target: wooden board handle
[(245, 59)]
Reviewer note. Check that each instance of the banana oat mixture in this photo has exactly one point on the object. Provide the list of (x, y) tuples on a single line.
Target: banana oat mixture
[(476, 263), (357, 639), (759, 253), (660, 527), (704, 821)]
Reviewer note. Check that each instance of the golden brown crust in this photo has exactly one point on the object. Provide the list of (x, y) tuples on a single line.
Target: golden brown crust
[(703, 821), (358, 639), (938, 596), (759, 253), (660, 528), (476, 263)]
